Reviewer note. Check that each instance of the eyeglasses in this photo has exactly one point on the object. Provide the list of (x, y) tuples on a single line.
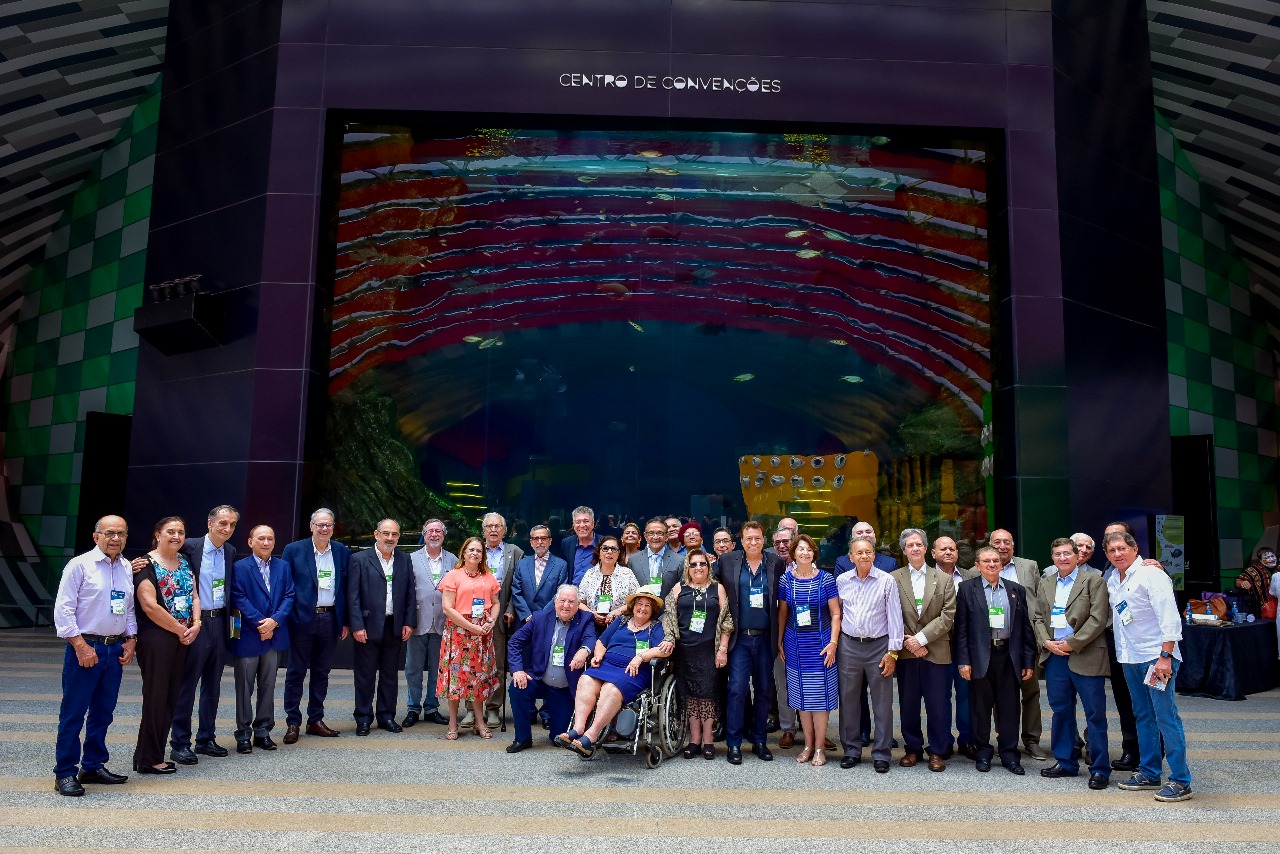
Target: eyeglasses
[(324, 526), (113, 535), (608, 548), (394, 535), (492, 526), (782, 542), (538, 539), (701, 563), (655, 534)]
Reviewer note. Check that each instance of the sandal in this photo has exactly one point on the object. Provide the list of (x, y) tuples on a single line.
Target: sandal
[(805, 756), (691, 750), (451, 735), (819, 758), (583, 747), (566, 739), (482, 732)]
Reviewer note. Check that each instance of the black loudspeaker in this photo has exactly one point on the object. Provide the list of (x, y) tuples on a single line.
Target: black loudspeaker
[(104, 467), (182, 324), (1195, 497)]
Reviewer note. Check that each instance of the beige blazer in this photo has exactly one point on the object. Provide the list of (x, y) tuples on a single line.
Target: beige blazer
[(1087, 610), (936, 616)]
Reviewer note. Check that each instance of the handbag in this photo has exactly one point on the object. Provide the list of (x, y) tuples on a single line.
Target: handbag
[(1269, 608)]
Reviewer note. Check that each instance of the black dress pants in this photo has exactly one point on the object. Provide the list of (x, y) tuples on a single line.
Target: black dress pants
[(161, 658), (377, 664), (999, 691), (1124, 701)]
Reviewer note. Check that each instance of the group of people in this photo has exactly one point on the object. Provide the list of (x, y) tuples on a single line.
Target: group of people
[(578, 632)]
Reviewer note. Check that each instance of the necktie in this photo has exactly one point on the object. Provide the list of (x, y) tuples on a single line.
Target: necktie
[(653, 565), (266, 575)]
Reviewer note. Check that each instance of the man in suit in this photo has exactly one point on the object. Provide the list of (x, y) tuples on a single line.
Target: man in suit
[(548, 653), (318, 621), (750, 579), (884, 563), (578, 549), (212, 559), (946, 554), (1027, 573), (928, 612), (382, 609), (502, 558), (538, 576), (1070, 626), (995, 648), (422, 654), (656, 563), (262, 591)]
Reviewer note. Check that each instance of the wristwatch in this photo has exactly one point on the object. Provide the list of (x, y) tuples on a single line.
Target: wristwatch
[(1164, 653), (893, 655)]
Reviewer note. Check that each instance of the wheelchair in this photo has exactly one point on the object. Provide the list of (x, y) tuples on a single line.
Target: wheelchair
[(654, 722)]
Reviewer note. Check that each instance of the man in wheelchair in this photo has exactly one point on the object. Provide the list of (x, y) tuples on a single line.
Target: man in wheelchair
[(620, 671)]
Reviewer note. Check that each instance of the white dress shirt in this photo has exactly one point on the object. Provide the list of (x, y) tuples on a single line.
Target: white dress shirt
[(387, 564), (917, 593), (1147, 593), (324, 563)]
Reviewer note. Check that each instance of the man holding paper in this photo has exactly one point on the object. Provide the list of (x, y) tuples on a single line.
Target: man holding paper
[(1148, 628)]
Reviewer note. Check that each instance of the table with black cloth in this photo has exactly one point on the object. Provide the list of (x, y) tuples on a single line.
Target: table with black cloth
[(1228, 662)]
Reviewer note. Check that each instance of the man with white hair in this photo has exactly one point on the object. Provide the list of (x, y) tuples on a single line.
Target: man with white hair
[(501, 558)]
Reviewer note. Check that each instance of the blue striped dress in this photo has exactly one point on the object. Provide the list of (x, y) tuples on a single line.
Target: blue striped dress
[(811, 685)]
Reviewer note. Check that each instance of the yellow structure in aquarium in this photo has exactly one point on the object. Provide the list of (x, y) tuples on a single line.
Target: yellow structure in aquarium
[(832, 485)]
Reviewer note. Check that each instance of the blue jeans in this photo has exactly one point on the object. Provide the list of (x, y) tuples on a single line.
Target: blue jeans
[(557, 702), (750, 663), (1156, 713), (1062, 685), (422, 654), (961, 688), (91, 690)]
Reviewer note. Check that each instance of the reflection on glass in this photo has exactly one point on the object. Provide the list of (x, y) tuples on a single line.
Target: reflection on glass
[(709, 324)]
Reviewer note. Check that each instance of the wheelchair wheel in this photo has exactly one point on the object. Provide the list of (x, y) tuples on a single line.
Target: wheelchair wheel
[(673, 728), (653, 758)]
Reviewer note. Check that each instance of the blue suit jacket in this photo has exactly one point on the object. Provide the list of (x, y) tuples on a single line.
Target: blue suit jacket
[(301, 557), (250, 596), (530, 647), (527, 596), (883, 563), (569, 545)]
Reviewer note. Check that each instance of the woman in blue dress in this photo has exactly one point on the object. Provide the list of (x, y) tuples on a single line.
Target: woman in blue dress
[(620, 669), (809, 625)]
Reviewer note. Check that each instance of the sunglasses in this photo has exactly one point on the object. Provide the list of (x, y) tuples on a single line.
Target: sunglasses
[(701, 563), (608, 548)]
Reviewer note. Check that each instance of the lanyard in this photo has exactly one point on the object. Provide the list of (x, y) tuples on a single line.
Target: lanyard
[(992, 594), (808, 595)]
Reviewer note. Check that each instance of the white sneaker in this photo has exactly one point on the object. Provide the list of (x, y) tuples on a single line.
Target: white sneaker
[(491, 719)]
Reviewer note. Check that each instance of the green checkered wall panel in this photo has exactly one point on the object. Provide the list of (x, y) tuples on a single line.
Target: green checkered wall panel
[(1222, 363), (75, 350)]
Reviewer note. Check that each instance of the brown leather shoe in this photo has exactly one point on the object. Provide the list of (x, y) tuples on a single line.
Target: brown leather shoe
[(909, 760), (319, 728), (787, 740), (937, 763), (291, 734), (828, 744)]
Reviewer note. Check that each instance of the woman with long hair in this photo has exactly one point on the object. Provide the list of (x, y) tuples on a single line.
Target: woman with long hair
[(468, 666)]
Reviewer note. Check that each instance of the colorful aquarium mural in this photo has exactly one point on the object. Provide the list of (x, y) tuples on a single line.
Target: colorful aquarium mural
[(620, 317)]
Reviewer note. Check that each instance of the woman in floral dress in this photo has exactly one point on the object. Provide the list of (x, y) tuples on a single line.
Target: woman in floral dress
[(468, 666)]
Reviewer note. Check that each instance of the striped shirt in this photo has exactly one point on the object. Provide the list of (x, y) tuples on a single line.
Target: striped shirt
[(870, 606)]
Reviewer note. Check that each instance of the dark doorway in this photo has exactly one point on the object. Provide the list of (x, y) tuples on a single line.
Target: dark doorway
[(102, 473), (1195, 497)]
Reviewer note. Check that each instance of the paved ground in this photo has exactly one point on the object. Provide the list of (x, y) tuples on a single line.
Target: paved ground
[(418, 793)]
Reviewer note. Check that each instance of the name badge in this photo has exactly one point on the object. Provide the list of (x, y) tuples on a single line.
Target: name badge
[(388, 573), (757, 597), (1058, 618), (235, 625), (655, 579), (641, 645), (604, 603), (435, 575), (219, 592), (919, 606), (557, 655), (1123, 614), (181, 603), (326, 579), (698, 621), (477, 608), (803, 617), (995, 617), (117, 602)]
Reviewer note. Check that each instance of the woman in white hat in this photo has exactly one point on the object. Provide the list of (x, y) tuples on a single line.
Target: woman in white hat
[(620, 670)]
